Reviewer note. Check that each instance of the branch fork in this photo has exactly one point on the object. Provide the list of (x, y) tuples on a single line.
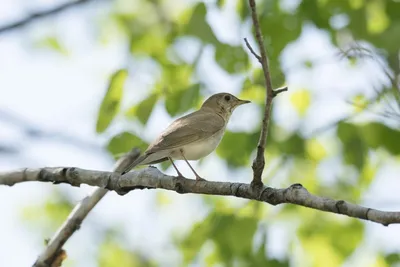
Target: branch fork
[(259, 161)]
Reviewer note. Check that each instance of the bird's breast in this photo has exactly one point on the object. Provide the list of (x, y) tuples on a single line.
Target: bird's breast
[(199, 149)]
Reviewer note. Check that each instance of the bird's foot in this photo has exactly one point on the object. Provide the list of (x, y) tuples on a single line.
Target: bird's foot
[(198, 178), (180, 176)]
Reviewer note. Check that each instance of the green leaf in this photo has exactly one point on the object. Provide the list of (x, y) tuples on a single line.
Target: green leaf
[(124, 142), (294, 145), (198, 26), (378, 135), (152, 42), (357, 139), (181, 101), (392, 259), (176, 77), (378, 20), (323, 237), (112, 100), (253, 92), (301, 100), (52, 43), (236, 148), (232, 58), (113, 253), (315, 150), (48, 216), (261, 259), (221, 3), (143, 110), (238, 244), (219, 227), (354, 148), (199, 234), (277, 76), (242, 9)]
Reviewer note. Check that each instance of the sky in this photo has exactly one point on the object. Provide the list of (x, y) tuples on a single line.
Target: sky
[(61, 94)]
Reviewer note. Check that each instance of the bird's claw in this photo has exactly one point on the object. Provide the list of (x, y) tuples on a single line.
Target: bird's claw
[(198, 178), (180, 176)]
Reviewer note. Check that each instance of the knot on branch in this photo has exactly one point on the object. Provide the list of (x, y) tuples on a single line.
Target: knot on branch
[(113, 184), (235, 189), (341, 206), (179, 188), (296, 186), (73, 176), (293, 191), (270, 196)]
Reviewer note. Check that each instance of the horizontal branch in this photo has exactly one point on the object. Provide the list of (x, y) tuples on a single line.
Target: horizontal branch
[(152, 178)]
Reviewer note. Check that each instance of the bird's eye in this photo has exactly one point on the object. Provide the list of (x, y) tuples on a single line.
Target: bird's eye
[(227, 97)]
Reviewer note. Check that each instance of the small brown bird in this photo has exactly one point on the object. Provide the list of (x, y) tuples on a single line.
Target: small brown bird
[(193, 136)]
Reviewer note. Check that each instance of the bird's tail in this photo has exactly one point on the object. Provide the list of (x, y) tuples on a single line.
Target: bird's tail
[(129, 165)]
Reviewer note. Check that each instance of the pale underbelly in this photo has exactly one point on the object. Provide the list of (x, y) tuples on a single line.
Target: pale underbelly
[(194, 151), (197, 150)]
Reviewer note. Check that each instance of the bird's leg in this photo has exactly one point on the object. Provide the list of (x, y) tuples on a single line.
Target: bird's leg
[(198, 178), (173, 164)]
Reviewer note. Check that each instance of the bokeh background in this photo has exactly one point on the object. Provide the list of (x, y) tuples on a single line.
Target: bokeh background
[(82, 86)]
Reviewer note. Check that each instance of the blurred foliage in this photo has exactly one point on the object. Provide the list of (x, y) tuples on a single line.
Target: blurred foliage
[(237, 147), (358, 139), (301, 100), (152, 29), (51, 42), (123, 143), (323, 237), (112, 100), (143, 110), (231, 235), (180, 101), (113, 254), (47, 217)]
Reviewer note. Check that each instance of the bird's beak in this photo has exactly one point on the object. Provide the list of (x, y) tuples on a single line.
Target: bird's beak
[(241, 102)]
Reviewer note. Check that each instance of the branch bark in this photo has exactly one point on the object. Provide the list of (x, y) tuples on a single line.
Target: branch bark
[(37, 15), (80, 211), (152, 178), (259, 161)]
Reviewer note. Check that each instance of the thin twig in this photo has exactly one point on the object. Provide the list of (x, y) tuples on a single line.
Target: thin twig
[(259, 161), (37, 15), (252, 50), (77, 215), (279, 90), (153, 178)]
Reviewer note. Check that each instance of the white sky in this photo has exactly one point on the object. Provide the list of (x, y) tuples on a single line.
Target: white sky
[(62, 94)]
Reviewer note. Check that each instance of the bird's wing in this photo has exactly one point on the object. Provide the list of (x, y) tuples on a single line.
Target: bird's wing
[(191, 128)]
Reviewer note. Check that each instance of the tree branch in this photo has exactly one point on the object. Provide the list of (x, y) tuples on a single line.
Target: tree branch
[(259, 161), (37, 15), (152, 178), (80, 211)]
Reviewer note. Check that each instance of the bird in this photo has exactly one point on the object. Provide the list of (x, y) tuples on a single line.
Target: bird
[(193, 136)]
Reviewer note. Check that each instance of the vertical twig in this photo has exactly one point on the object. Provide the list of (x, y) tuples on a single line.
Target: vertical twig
[(77, 215), (259, 161)]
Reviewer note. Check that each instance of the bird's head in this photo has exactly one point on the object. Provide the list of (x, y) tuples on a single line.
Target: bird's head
[(223, 103)]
